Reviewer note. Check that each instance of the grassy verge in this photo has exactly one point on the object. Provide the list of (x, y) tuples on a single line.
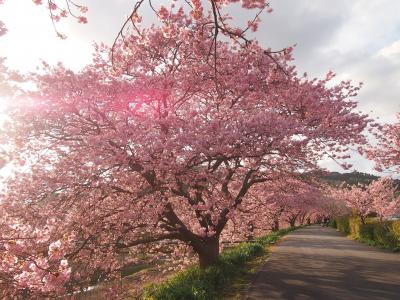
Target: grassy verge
[(235, 289), (384, 234), (224, 280)]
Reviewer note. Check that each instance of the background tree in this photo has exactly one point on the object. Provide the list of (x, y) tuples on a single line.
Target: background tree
[(378, 197), (386, 199), (265, 209), (332, 204), (358, 200), (386, 153)]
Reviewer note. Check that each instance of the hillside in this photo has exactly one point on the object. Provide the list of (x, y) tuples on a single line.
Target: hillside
[(336, 178)]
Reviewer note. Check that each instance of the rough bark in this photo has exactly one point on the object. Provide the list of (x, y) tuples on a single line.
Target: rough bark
[(208, 252)]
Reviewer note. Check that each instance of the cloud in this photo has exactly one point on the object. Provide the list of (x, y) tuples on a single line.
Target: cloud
[(391, 52), (356, 39)]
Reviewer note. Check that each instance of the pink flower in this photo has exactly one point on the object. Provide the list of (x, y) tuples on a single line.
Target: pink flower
[(3, 29), (63, 13), (164, 13), (82, 20), (52, 6)]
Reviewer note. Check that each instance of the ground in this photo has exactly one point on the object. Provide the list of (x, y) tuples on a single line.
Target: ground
[(319, 263)]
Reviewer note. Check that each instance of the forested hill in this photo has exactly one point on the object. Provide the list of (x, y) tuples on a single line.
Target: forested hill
[(352, 178), (336, 178)]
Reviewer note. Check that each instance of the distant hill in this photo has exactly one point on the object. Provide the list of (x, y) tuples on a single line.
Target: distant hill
[(352, 178), (336, 178)]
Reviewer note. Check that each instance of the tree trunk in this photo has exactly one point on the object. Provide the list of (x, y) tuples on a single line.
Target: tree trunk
[(292, 219), (250, 231), (275, 226), (302, 217), (209, 252), (308, 221)]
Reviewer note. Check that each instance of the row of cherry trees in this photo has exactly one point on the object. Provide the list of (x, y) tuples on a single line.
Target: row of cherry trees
[(380, 197), (180, 136)]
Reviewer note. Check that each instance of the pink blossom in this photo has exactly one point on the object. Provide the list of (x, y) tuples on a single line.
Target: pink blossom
[(82, 20), (52, 5)]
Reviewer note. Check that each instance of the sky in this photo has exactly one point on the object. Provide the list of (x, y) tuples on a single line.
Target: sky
[(358, 40)]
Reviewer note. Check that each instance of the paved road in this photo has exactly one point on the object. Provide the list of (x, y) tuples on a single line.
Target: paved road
[(319, 263)]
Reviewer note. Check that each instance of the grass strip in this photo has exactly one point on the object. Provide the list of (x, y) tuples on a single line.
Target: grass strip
[(224, 280)]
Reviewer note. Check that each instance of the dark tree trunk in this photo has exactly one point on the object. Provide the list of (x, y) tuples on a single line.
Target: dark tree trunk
[(308, 221), (302, 217), (208, 252), (275, 226), (362, 219), (292, 221)]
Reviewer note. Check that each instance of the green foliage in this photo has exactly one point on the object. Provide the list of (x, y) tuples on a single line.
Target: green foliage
[(366, 231), (343, 224), (195, 283), (384, 234), (395, 231), (333, 223)]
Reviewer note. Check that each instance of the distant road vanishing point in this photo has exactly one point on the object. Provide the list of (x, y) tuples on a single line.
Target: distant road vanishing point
[(319, 263)]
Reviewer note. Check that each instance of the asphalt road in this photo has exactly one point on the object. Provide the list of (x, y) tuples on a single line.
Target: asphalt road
[(319, 263)]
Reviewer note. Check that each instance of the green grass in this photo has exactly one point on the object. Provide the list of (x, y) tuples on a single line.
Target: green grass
[(224, 280), (385, 234)]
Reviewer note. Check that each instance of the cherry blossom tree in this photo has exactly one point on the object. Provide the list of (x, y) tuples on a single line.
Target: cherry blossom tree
[(378, 197), (166, 139), (357, 199), (386, 154), (332, 203), (275, 211), (264, 210), (293, 199), (386, 198)]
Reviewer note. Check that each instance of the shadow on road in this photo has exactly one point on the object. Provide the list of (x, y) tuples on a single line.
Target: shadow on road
[(319, 263)]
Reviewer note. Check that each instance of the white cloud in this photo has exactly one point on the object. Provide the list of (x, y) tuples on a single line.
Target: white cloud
[(391, 52)]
